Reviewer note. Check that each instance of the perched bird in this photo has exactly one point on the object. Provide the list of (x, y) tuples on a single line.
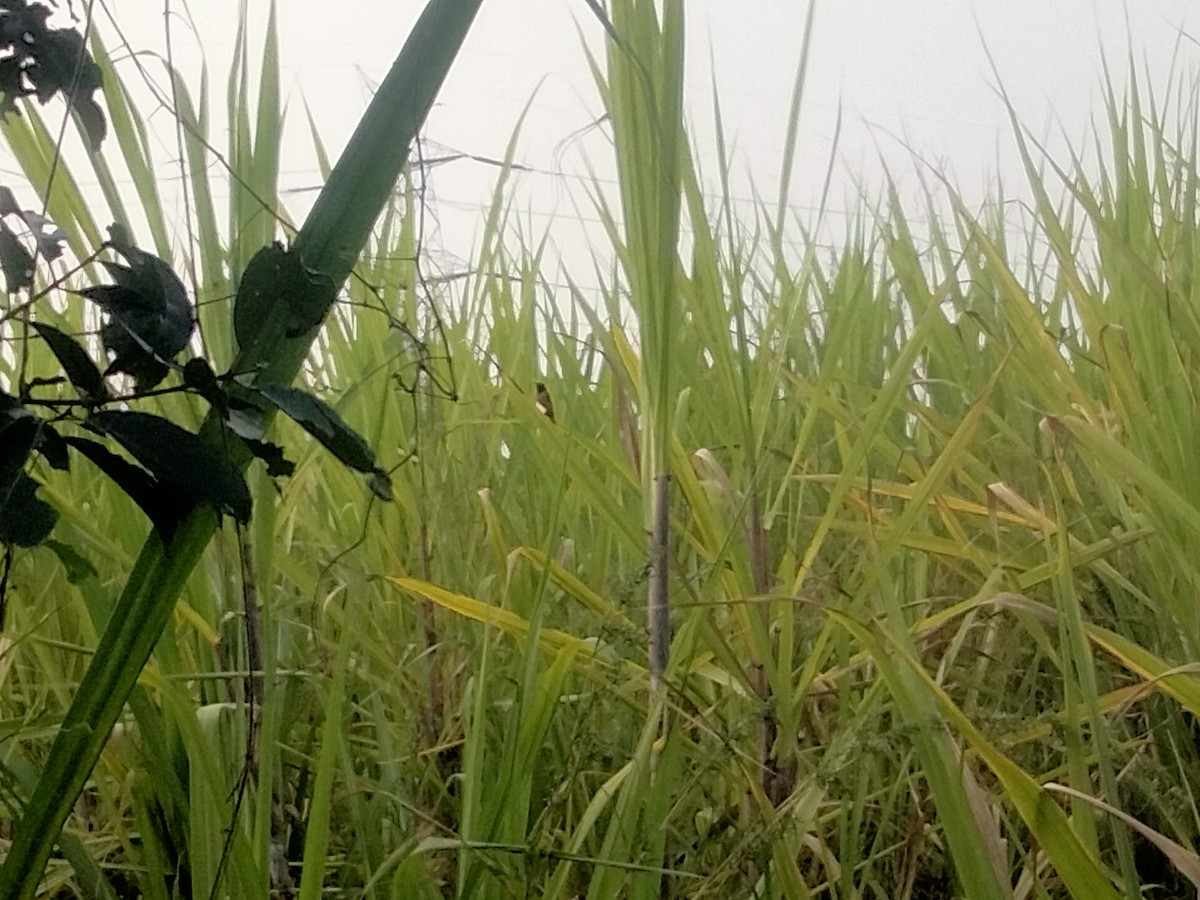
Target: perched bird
[(545, 404)]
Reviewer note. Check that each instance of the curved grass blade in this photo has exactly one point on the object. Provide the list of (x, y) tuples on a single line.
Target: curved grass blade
[(1047, 821)]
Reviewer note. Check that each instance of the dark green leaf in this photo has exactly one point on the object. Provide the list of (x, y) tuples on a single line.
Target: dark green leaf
[(25, 519), (8, 202), (84, 374), (48, 236), (122, 337), (15, 261), (381, 485), (245, 420), (199, 376), (149, 315), (139, 485), (79, 569), (91, 118), (320, 420), (272, 454), (41, 61), (18, 433), (52, 448), (277, 292), (195, 469)]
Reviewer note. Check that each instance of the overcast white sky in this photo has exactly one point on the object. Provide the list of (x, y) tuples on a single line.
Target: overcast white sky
[(911, 70)]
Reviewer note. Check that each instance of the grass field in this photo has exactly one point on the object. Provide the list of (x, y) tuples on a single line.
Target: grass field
[(933, 509)]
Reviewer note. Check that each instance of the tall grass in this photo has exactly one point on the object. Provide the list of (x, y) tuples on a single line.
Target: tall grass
[(930, 568)]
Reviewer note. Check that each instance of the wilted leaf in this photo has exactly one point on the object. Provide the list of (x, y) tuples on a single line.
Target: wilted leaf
[(127, 333), (320, 420), (193, 468), (15, 261), (25, 519), (83, 373), (278, 291)]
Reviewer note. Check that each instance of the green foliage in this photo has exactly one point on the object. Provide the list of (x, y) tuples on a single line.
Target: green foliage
[(41, 62), (932, 529), (193, 475)]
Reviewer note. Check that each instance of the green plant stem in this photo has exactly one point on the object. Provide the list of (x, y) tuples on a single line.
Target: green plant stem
[(660, 610), (330, 241)]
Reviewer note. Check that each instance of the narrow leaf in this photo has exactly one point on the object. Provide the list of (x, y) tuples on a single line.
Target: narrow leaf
[(81, 370), (320, 420)]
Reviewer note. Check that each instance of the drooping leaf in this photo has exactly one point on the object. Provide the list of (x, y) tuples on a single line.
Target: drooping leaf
[(322, 421), (139, 485), (278, 291), (18, 433), (199, 376), (25, 519), (84, 374), (52, 448), (122, 338), (149, 315), (15, 261), (193, 468), (79, 569)]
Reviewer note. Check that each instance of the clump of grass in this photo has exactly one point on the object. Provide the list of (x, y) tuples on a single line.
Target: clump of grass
[(930, 567)]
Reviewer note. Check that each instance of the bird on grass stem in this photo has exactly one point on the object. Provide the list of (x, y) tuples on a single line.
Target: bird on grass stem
[(545, 404)]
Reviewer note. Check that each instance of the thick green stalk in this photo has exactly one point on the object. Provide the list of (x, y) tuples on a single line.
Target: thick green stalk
[(645, 97), (334, 234)]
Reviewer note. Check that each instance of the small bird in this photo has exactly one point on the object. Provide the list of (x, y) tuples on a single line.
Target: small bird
[(545, 404)]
